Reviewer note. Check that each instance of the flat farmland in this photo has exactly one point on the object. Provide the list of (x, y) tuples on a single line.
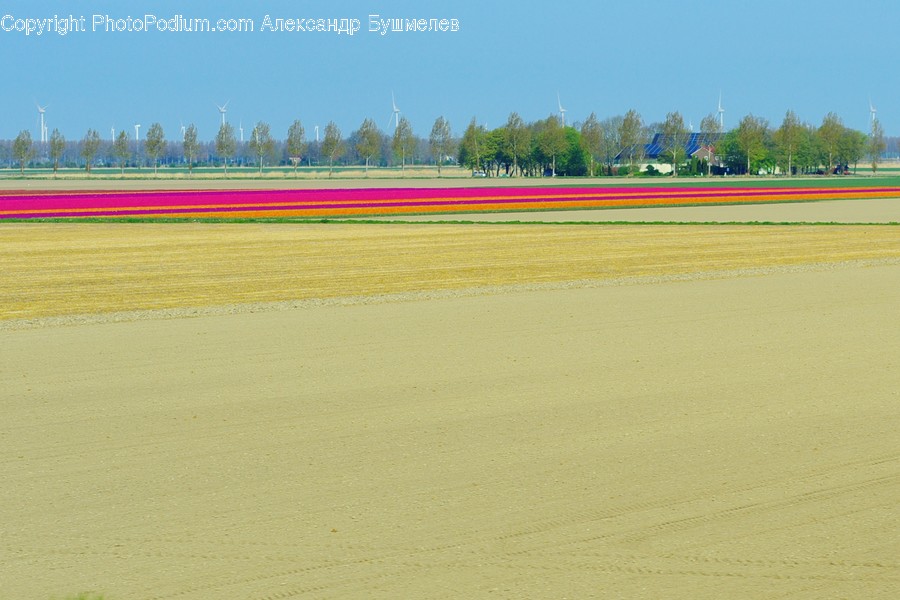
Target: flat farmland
[(53, 270), (446, 411)]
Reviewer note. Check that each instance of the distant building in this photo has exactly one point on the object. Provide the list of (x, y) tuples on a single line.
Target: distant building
[(699, 145)]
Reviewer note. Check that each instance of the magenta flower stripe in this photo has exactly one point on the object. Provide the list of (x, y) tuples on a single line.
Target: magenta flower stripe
[(377, 201)]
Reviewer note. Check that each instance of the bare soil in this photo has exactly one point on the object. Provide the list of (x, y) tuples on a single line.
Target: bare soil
[(875, 210), (727, 430)]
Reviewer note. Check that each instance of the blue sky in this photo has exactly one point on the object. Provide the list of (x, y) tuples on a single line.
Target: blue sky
[(655, 56)]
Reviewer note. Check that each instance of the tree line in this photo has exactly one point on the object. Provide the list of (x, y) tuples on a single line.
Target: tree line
[(546, 147)]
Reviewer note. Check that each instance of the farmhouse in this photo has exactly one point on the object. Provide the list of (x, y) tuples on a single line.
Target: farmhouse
[(701, 146)]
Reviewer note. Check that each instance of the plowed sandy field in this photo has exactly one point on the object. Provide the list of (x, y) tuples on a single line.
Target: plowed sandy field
[(449, 412)]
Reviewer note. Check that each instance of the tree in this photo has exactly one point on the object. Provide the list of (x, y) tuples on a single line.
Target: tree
[(296, 146), (155, 144), (573, 160), (190, 147), (610, 144), (631, 137), (674, 136), (710, 125), (23, 149), (493, 152), (551, 141), (57, 147), (851, 147), (440, 141), (261, 143), (332, 144), (711, 128), (809, 150), (368, 142), (120, 149), (469, 152), (89, 147), (877, 144), (592, 135), (787, 139), (226, 144), (517, 138), (403, 142), (830, 132), (751, 139)]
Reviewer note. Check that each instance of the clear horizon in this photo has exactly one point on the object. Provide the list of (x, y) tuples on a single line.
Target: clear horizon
[(599, 56)]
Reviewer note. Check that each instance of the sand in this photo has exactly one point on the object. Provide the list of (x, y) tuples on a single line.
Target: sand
[(727, 437)]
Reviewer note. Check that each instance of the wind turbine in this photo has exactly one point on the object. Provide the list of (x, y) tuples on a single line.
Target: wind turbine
[(137, 138), (872, 110), (395, 115), (41, 110), (183, 130), (112, 134), (562, 111), (721, 112), (223, 109), (241, 129), (317, 134)]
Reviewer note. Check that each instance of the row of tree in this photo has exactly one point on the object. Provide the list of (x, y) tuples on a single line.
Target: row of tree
[(752, 147), (544, 147)]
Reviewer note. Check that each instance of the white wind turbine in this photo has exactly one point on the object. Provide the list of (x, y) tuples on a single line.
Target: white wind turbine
[(395, 115), (223, 109), (562, 111), (137, 127), (872, 110), (317, 134), (721, 113), (41, 111), (112, 134), (241, 129)]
